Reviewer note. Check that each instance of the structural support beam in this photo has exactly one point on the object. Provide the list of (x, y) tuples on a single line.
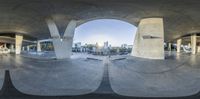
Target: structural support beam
[(149, 39), (194, 43), (38, 46), (18, 43), (62, 45), (178, 45)]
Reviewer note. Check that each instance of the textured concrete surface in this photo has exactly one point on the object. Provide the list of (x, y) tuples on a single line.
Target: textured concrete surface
[(194, 43), (18, 44), (105, 87), (56, 77), (149, 39), (62, 44), (176, 76), (28, 17), (178, 43)]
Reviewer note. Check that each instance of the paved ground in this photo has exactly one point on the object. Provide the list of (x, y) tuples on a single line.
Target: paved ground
[(56, 77), (178, 75)]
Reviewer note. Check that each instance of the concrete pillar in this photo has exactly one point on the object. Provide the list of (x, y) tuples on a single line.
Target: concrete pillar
[(189, 45), (169, 46), (194, 43), (18, 43), (149, 39), (62, 45), (198, 49), (12, 48), (23, 48), (27, 48), (38, 46), (178, 45)]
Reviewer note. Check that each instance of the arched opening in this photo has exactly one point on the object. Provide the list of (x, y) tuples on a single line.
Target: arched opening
[(103, 37)]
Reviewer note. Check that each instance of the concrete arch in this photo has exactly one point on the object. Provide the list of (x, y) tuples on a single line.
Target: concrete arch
[(107, 20), (81, 22)]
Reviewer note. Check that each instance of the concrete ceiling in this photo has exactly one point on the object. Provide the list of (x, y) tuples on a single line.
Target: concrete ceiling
[(11, 40), (181, 17)]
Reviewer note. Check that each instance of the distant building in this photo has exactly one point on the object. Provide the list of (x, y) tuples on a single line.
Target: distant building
[(77, 47), (106, 49), (124, 46), (105, 45)]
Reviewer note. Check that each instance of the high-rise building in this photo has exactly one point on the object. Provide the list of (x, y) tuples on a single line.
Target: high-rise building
[(105, 45), (124, 46)]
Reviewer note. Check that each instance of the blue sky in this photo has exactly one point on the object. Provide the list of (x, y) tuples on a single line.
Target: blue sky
[(116, 32)]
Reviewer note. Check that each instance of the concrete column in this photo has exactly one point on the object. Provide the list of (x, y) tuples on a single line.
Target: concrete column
[(178, 45), (18, 43), (38, 47), (12, 48), (23, 48), (27, 48), (194, 43), (198, 49), (169, 46), (149, 39), (189, 45), (62, 45)]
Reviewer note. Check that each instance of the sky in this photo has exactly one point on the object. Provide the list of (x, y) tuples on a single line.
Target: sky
[(116, 32)]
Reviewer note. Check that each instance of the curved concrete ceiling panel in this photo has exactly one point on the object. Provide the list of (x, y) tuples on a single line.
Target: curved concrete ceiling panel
[(180, 18)]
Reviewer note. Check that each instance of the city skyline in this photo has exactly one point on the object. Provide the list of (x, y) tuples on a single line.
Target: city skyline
[(83, 44), (116, 32)]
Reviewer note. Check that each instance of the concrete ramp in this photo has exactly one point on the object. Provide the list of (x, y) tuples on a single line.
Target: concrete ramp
[(173, 77), (57, 77)]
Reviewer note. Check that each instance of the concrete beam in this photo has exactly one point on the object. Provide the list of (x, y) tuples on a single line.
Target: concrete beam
[(62, 45), (149, 39), (194, 43), (178, 45), (18, 43)]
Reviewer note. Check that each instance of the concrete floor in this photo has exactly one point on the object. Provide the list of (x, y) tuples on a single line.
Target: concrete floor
[(177, 76), (56, 77)]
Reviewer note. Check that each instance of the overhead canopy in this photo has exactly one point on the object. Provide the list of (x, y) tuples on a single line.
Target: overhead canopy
[(28, 17)]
